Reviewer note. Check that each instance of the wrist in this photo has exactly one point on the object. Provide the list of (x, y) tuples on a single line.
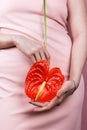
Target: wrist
[(6, 41), (75, 81), (76, 76)]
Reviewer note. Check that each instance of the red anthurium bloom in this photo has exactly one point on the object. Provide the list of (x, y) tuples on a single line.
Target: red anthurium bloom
[(42, 84)]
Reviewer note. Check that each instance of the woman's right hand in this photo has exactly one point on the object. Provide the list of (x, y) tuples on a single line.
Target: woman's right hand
[(34, 50)]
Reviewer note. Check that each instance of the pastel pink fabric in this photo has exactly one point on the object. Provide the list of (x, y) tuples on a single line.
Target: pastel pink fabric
[(84, 117), (25, 17)]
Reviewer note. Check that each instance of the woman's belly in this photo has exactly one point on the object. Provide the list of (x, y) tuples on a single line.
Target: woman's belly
[(58, 45)]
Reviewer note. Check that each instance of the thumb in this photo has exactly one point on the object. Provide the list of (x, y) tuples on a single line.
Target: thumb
[(68, 86)]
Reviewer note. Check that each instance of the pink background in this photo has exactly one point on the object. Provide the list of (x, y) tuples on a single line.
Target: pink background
[(84, 116)]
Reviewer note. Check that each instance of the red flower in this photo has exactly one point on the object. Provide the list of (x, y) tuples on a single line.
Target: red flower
[(42, 84)]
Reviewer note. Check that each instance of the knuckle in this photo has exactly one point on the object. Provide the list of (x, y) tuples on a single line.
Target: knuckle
[(48, 57), (28, 53)]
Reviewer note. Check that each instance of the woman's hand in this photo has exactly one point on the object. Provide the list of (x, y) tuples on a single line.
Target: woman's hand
[(34, 50), (67, 89)]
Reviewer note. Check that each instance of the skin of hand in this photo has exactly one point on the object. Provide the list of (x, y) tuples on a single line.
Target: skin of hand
[(78, 55), (66, 90), (35, 51)]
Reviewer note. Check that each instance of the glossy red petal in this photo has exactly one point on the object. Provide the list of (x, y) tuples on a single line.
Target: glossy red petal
[(36, 75), (39, 73)]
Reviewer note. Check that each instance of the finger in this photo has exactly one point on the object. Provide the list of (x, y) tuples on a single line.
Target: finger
[(66, 87), (65, 95), (37, 56), (33, 59), (42, 55), (38, 109), (48, 106), (56, 101), (39, 104), (71, 91), (46, 55), (63, 90)]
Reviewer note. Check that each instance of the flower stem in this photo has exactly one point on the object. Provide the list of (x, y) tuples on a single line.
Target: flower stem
[(45, 32)]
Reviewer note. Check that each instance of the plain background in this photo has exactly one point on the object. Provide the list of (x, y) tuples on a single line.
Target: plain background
[(84, 116)]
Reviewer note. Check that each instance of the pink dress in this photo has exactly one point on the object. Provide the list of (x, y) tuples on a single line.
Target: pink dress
[(25, 17)]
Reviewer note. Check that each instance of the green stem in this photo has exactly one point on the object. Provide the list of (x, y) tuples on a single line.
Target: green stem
[(45, 42), (45, 35)]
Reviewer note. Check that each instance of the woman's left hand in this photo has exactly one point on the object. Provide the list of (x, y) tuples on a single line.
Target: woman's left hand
[(66, 90)]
